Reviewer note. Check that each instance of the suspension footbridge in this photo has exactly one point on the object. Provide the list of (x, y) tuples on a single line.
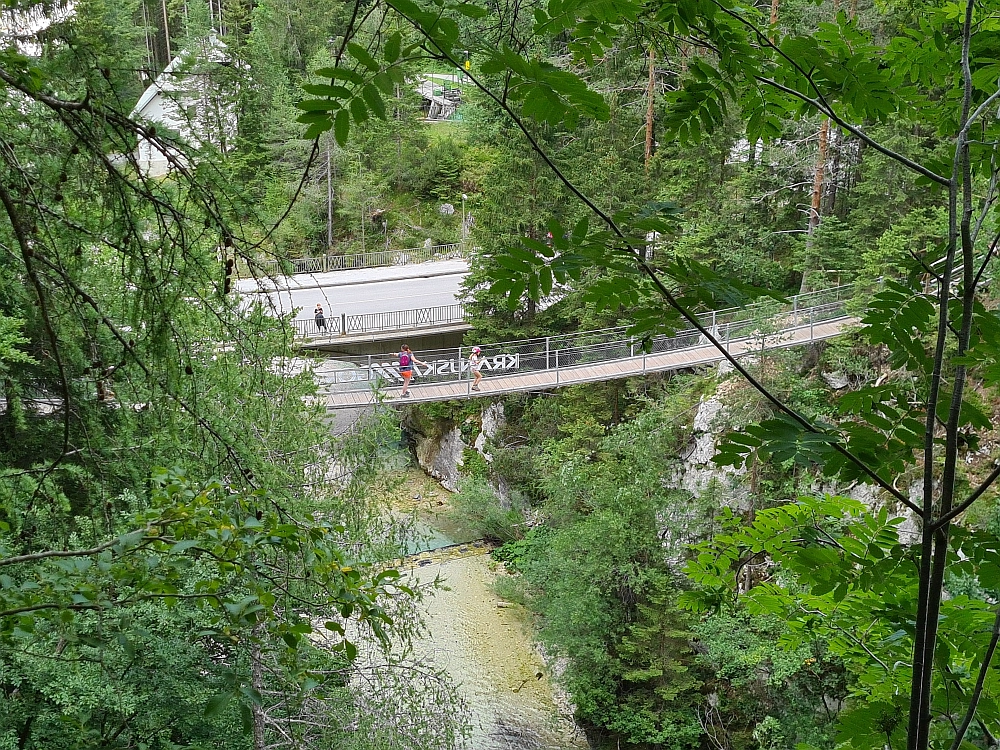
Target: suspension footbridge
[(589, 356)]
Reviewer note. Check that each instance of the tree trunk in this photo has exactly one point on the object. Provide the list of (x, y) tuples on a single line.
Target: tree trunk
[(816, 205), (166, 30), (329, 200), (830, 204), (649, 107), (257, 683), (14, 412)]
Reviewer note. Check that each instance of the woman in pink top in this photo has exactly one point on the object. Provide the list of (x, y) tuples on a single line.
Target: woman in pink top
[(406, 362)]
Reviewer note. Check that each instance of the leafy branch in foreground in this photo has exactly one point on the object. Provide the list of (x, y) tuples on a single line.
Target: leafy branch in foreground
[(256, 568)]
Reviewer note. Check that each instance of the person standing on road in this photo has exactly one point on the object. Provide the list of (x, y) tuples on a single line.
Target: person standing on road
[(476, 365), (320, 319), (406, 362)]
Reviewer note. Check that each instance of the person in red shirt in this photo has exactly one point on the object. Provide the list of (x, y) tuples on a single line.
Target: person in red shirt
[(406, 362)]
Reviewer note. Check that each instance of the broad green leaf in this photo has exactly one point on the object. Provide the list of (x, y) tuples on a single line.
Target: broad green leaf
[(342, 127), (359, 112), (217, 704), (471, 11), (318, 128), (343, 74), (391, 49), (325, 89), (363, 56), (317, 105), (385, 83), (374, 101)]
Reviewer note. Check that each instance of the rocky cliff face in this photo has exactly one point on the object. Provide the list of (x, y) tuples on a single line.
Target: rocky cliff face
[(439, 448), (697, 472), (441, 456), (704, 486)]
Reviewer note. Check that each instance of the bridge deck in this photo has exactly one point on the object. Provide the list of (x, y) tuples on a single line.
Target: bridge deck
[(611, 370)]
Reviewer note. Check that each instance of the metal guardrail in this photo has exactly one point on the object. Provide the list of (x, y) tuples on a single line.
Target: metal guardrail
[(766, 321), (377, 259), (396, 320)]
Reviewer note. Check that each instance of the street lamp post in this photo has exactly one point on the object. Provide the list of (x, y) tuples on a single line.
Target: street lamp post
[(329, 202), (464, 230), (364, 202)]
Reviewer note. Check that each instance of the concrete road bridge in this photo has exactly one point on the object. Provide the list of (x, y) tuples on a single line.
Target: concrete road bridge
[(587, 356), (368, 303)]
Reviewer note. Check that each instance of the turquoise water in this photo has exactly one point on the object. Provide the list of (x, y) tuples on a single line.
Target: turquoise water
[(425, 538)]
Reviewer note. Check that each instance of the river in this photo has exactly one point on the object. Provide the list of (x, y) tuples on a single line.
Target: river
[(484, 643)]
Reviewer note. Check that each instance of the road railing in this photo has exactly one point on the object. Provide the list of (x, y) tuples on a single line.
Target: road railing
[(395, 320), (763, 324), (374, 259)]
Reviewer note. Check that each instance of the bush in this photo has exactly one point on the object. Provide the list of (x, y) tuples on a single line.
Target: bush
[(511, 588), (478, 506), (518, 553)]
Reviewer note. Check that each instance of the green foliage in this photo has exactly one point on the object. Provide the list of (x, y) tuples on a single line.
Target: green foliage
[(596, 574), (10, 339), (768, 692), (481, 509), (846, 577), (141, 612), (521, 553), (511, 588), (607, 605), (193, 572)]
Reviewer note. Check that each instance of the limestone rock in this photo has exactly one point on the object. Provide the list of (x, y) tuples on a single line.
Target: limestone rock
[(493, 419), (836, 380), (441, 457), (697, 470), (492, 422)]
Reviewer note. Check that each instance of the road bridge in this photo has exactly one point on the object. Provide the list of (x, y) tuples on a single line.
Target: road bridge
[(368, 305), (589, 356)]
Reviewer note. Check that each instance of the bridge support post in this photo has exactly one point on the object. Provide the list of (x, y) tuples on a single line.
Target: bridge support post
[(557, 365), (795, 310), (546, 352), (460, 363), (343, 324)]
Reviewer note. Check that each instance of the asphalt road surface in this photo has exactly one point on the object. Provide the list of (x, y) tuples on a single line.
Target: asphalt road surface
[(368, 290)]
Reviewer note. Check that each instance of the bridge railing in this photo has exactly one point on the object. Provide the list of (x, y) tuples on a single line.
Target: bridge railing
[(374, 259), (767, 322), (395, 320)]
